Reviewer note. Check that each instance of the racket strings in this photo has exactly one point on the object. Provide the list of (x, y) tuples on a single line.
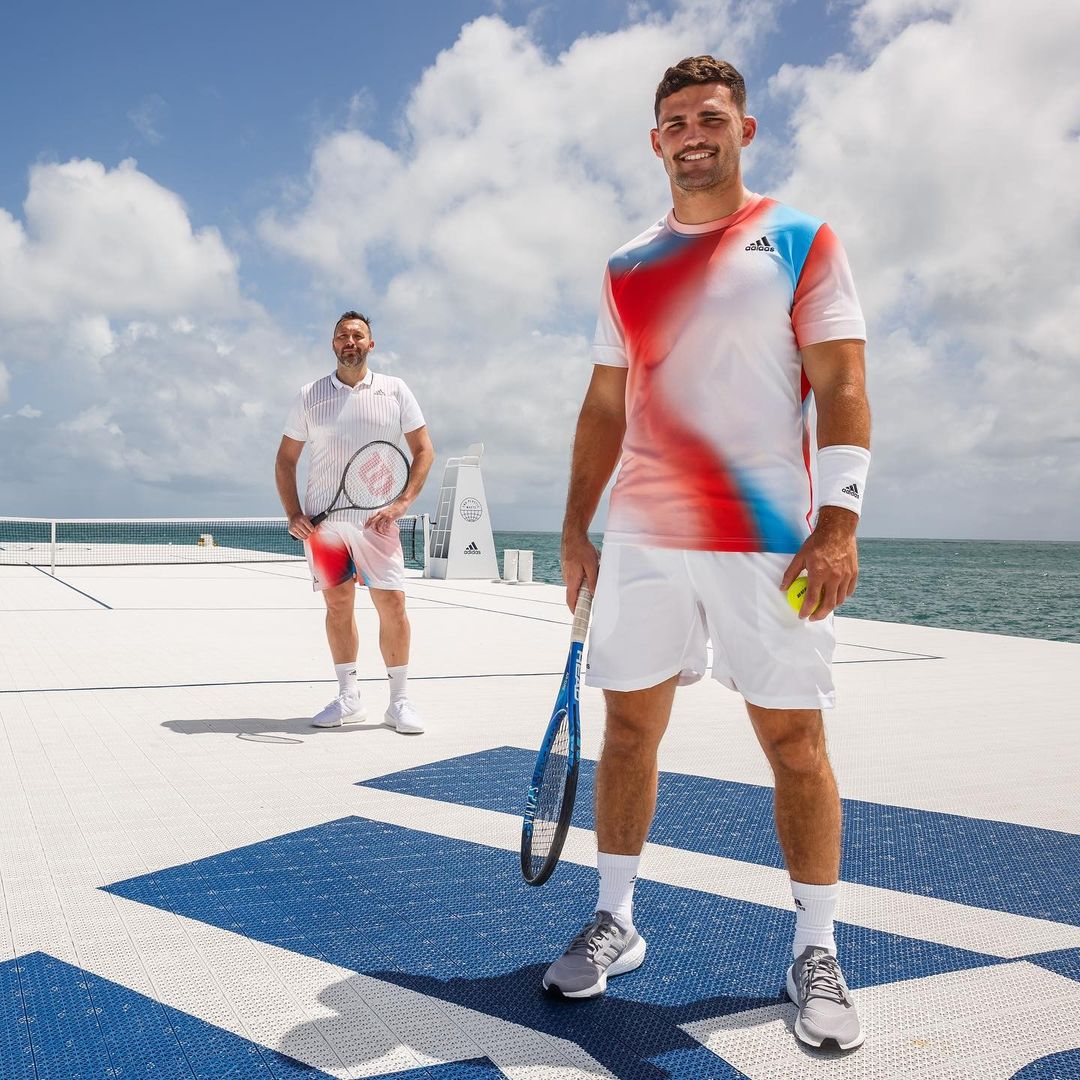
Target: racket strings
[(376, 477), (550, 796)]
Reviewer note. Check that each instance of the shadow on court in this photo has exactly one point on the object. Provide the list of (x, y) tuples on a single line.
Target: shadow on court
[(260, 729), (634, 1040)]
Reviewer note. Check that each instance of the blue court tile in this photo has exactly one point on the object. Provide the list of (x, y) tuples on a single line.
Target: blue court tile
[(1063, 1066), (709, 955), (986, 864), (15, 1052), (690, 1066), (68, 1024), (1064, 961)]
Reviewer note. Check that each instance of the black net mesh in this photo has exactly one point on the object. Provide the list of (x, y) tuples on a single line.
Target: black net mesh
[(25, 541)]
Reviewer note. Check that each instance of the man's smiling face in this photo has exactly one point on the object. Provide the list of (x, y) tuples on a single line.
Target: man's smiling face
[(699, 134)]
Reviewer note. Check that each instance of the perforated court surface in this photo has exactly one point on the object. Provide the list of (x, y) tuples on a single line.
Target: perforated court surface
[(195, 883)]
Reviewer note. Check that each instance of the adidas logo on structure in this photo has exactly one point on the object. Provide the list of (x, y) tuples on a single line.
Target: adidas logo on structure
[(472, 549), (760, 245), (852, 490)]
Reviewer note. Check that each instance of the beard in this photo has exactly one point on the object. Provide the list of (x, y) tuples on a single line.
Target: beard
[(353, 359), (719, 175)]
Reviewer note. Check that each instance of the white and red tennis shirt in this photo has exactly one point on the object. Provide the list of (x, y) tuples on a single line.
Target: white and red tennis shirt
[(335, 420), (709, 319)]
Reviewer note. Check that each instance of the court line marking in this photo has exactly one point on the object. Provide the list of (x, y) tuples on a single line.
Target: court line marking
[(280, 682), (53, 577)]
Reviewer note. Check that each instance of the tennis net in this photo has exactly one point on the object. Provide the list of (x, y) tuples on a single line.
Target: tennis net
[(50, 543)]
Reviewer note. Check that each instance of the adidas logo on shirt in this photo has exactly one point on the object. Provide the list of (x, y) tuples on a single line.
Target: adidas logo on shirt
[(472, 549), (760, 245), (383, 392), (852, 490)]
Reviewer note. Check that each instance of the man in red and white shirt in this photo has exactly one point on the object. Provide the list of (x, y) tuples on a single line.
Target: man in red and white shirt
[(716, 324), (336, 415)]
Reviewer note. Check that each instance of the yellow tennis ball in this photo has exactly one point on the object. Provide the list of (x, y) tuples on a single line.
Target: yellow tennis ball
[(797, 593)]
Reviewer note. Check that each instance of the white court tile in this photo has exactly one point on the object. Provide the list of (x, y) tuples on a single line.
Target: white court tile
[(982, 1024)]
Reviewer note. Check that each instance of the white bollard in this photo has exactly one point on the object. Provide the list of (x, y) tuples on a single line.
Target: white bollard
[(510, 564), (525, 567)]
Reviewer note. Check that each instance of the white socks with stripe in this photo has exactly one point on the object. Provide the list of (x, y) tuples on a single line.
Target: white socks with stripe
[(397, 677), (617, 876), (814, 908), (346, 677)]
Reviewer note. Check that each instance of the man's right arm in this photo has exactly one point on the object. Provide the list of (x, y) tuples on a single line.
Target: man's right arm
[(597, 447), (288, 456)]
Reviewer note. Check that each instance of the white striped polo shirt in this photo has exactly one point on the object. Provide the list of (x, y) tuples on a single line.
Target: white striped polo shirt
[(336, 420)]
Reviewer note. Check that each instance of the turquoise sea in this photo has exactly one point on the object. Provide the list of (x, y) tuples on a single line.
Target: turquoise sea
[(1025, 589)]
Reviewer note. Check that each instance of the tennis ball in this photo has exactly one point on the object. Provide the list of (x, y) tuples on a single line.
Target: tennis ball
[(797, 593)]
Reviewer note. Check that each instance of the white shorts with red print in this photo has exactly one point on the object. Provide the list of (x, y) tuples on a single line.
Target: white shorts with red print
[(338, 551), (656, 609)]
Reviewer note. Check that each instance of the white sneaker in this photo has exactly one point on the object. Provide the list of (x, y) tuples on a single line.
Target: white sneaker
[(403, 718), (344, 709)]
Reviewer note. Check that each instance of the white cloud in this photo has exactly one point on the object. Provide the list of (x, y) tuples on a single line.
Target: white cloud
[(165, 385), (948, 161), (101, 241)]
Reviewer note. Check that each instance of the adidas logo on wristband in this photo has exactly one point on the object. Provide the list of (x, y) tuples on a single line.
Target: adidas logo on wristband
[(852, 490)]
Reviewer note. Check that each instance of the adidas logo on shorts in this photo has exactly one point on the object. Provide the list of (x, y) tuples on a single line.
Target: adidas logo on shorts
[(760, 245)]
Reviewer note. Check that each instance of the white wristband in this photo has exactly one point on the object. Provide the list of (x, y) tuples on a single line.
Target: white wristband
[(842, 476)]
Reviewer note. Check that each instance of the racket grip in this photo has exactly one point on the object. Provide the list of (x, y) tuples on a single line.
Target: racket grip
[(581, 615), (318, 519)]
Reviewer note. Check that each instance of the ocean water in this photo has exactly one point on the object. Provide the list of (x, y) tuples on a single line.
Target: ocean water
[(1025, 589)]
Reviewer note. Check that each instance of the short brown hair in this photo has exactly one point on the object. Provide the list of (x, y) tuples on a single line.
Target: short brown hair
[(349, 316), (697, 70)]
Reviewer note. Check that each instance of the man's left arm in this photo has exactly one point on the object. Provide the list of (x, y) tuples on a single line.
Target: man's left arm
[(423, 456), (837, 374)]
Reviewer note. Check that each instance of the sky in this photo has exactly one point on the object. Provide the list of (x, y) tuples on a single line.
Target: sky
[(190, 193)]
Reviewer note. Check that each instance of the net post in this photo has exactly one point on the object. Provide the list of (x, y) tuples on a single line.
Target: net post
[(52, 548), (425, 520)]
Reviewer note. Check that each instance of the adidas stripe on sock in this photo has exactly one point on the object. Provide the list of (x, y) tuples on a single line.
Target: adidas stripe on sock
[(346, 677)]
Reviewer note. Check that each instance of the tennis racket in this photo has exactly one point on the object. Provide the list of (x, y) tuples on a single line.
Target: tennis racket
[(372, 478), (550, 800)]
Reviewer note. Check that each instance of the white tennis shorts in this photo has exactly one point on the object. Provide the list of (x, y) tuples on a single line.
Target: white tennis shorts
[(656, 609), (340, 550)]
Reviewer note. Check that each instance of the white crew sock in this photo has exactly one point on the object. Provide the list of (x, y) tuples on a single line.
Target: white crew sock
[(397, 676), (814, 907), (617, 876), (346, 677)]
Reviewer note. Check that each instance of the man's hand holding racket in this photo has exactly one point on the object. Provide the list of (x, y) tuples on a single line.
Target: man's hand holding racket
[(580, 565)]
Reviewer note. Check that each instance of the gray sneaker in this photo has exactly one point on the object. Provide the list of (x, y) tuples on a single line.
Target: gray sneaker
[(826, 1011), (603, 948)]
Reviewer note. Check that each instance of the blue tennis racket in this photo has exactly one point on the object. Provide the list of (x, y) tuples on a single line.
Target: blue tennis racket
[(550, 799)]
